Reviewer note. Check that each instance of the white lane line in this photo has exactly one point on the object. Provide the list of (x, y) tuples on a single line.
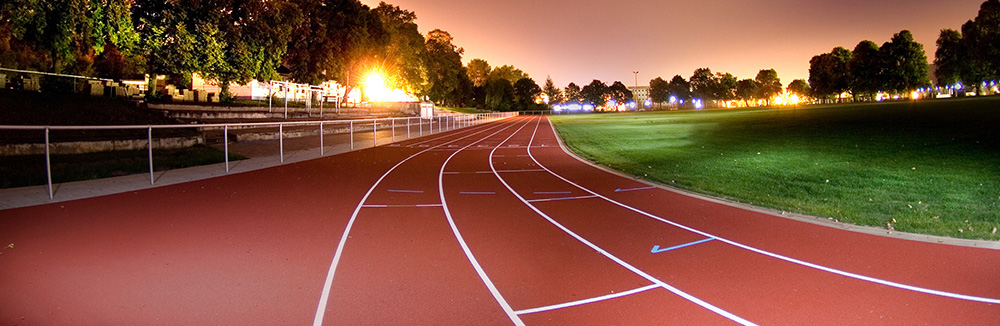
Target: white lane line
[(514, 171), (325, 295), (491, 172), (586, 301), (477, 192), (465, 247), (403, 191), (775, 255), (560, 198), (397, 206), (617, 260)]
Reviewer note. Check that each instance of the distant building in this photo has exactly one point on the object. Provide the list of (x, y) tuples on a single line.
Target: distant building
[(640, 94)]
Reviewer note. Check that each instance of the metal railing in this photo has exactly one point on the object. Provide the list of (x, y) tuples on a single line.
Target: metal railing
[(415, 126)]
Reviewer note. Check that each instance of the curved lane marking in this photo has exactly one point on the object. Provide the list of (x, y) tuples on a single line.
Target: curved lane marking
[(771, 254), (325, 295), (614, 258), (465, 247)]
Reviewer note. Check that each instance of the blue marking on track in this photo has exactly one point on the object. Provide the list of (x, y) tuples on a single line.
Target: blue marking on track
[(656, 249), (633, 189), (407, 191)]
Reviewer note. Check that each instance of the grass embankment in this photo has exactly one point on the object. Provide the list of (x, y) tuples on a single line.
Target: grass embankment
[(29, 170), (33, 108), (460, 110), (928, 167)]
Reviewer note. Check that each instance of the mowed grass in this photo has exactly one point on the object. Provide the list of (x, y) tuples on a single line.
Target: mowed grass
[(929, 167)]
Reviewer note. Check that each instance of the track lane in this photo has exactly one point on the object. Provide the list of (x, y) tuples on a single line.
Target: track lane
[(532, 263), (238, 249), (381, 273)]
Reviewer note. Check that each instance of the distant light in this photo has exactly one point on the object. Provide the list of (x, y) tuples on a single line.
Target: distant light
[(697, 103), (588, 107), (673, 99), (648, 103), (915, 95), (631, 105)]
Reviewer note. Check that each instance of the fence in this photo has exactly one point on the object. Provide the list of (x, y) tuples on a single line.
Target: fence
[(389, 126)]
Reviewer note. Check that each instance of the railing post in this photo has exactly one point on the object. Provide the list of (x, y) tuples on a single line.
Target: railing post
[(321, 150), (420, 125), (225, 144), (352, 135), (149, 145), (281, 142), (393, 130), (48, 162), (374, 132), (408, 128)]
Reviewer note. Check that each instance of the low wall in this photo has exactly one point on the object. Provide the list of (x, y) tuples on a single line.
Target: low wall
[(81, 147)]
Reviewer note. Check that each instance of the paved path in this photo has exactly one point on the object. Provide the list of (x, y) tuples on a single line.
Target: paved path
[(494, 224)]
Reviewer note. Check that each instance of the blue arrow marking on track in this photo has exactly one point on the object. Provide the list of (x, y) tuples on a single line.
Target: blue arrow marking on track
[(656, 249), (633, 189)]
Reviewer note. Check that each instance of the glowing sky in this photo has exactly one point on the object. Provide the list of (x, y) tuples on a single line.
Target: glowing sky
[(581, 40)]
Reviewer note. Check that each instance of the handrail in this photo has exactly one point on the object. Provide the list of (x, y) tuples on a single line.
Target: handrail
[(444, 123)]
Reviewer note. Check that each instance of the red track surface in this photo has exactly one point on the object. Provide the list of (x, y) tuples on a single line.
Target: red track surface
[(488, 225)]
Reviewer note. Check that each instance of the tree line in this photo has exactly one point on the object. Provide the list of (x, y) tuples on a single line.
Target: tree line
[(899, 66), (971, 56), (232, 41)]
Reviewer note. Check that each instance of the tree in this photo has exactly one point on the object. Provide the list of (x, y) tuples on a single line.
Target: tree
[(619, 93), (948, 57), (499, 95), (799, 87), (550, 91), (63, 36), (234, 52), (444, 61), (829, 74), (703, 84), (727, 84), (905, 66), (770, 85), (680, 89), (525, 92), (404, 52), (975, 68), (331, 39), (865, 70), (746, 90), (508, 72), (572, 93), (659, 91), (464, 92), (479, 71), (595, 93)]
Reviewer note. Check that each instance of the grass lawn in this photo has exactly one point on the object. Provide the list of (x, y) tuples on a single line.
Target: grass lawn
[(928, 167), (460, 110)]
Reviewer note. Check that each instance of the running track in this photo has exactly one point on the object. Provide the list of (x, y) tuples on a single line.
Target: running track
[(488, 225)]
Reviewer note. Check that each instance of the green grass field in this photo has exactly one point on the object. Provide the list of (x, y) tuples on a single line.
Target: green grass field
[(928, 167)]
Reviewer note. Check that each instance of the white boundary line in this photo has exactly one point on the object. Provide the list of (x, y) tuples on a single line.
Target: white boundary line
[(586, 301), (328, 283), (614, 258), (771, 254), (465, 247)]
